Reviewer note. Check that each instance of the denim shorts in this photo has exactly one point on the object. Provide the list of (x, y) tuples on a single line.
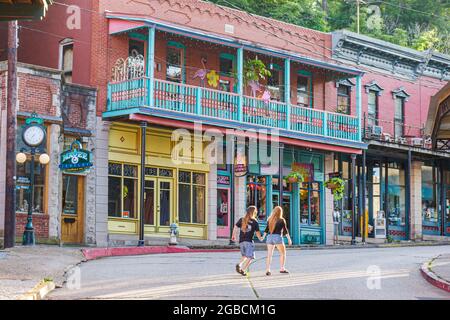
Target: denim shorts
[(247, 249), (274, 239)]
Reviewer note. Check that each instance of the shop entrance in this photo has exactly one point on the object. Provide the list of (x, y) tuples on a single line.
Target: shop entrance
[(223, 212), (158, 197), (72, 216), (286, 205)]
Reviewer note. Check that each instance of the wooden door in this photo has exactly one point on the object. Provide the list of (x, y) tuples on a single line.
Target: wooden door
[(223, 212), (72, 216)]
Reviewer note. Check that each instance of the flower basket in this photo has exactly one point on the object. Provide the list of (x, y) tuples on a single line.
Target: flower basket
[(294, 177), (337, 187)]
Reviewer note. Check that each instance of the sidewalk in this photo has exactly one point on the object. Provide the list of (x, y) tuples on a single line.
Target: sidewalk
[(437, 272), (22, 269)]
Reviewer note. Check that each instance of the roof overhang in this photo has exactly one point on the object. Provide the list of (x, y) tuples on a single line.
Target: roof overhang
[(120, 23), (438, 120), (23, 9)]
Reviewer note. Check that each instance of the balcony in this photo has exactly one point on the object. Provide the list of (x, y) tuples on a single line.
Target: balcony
[(192, 103)]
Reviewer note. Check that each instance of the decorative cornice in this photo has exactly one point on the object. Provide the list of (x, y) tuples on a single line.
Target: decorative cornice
[(345, 82), (374, 86), (364, 50), (400, 93)]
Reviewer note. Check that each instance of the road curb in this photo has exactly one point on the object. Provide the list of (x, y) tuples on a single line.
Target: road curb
[(431, 277), (96, 253), (39, 291)]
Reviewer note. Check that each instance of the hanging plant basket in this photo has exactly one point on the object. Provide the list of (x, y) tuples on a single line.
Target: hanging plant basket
[(337, 187), (294, 177)]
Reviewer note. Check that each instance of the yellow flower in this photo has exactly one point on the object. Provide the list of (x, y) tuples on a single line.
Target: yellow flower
[(213, 78)]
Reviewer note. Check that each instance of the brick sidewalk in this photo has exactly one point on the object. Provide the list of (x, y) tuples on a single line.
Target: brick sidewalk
[(22, 268)]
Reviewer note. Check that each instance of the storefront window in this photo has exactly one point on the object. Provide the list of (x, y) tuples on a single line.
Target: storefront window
[(396, 195), (191, 197), (430, 213), (23, 187), (257, 194), (310, 203), (122, 180)]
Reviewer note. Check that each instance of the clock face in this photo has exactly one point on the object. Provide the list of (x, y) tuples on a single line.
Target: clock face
[(33, 136)]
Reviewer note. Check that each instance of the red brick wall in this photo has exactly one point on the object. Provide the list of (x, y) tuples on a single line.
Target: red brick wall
[(35, 94), (40, 224), (416, 108)]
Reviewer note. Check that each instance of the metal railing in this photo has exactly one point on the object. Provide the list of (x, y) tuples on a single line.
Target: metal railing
[(218, 104)]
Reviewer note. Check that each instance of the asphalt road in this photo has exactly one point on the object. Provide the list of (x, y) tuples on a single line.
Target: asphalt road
[(385, 273)]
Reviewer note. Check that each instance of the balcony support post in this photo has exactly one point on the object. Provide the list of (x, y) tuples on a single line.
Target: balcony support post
[(359, 106), (240, 84), (287, 91), (150, 70), (325, 124), (198, 101)]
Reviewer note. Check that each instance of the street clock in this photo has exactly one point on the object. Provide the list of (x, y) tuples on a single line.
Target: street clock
[(33, 135)]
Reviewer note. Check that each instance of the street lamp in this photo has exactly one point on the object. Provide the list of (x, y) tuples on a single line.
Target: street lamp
[(28, 234), (33, 136)]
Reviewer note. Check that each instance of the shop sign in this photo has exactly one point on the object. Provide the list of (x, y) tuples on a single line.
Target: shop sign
[(223, 180), (76, 159), (334, 175), (307, 169), (240, 162), (23, 180)]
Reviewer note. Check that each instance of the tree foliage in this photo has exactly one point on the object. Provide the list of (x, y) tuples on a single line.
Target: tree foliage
[(418, 24)]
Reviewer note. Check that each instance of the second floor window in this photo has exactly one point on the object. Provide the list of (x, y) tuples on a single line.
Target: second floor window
[(399, 116), (274, 84), (343, 99), (372, 119), (174, 67), (303, 91), (66, 62)]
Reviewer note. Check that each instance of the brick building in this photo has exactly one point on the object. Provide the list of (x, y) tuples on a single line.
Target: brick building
[(162, 66)]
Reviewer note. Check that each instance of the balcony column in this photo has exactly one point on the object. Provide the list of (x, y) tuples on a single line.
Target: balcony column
[(287, 91), (150, 70), (240, 84), (359, 106)]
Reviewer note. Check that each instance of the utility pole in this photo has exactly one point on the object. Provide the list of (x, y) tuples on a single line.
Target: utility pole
[(357, 16), (10, 194)]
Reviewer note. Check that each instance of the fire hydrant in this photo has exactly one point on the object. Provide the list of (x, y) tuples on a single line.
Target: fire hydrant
[(173, 234)]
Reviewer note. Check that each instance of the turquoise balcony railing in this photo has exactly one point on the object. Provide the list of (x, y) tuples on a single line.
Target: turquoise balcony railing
[(217, 104)]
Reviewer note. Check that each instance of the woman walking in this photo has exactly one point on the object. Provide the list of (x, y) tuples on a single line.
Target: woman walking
[(275, 230), (248, 226)]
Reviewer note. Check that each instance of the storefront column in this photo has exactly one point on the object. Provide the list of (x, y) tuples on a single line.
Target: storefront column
[(329, 201), (212, 202), (280, 173), (142, 185), (416, 200), (363, 197), (353, 191), (54, 183), (101, 154)]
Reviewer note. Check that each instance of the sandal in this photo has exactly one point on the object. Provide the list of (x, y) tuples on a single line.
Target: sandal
[(268, 273), (244, 273), (284, 271), (238, 268)]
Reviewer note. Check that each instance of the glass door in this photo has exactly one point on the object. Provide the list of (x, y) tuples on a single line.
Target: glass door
[(149, 201), (72, 209), (223, 216), (164, 204)]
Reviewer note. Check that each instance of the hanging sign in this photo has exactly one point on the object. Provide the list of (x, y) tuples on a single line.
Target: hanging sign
[(76, 159), (306, 169), (240, 162), (334, 175), (223, 180)]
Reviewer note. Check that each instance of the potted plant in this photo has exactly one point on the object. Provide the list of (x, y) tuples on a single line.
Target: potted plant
[(337, 186), (294, 177)]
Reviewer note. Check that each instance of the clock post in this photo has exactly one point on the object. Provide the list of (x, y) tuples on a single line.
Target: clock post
[(33, 136)]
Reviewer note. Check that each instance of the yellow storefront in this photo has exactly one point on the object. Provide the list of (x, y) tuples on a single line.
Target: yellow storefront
[(175, 187)]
